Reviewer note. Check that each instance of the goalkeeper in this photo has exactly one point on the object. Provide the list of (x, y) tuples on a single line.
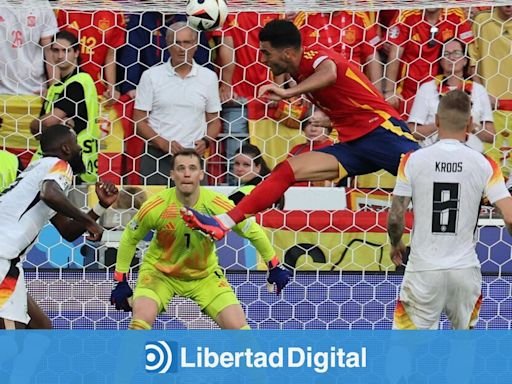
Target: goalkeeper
[(180, 261)]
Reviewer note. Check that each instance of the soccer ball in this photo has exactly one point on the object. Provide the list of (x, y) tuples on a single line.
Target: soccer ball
[(206, 15)]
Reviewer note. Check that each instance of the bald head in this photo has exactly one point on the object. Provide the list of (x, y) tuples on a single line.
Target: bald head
[(454, 112)]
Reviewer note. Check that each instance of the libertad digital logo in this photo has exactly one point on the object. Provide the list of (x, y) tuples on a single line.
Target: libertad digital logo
[(159, 356)]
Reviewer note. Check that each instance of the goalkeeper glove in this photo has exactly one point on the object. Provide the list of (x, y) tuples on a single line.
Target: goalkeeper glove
[(277, 276), (121, 292)]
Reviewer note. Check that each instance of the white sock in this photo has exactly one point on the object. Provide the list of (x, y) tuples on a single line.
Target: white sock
[(227, 221)]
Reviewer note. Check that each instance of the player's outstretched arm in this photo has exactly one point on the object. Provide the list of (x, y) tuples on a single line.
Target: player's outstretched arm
[(278, 276), (71, 229), (396, 227), (135, 231), (54, 197), (324, 76)]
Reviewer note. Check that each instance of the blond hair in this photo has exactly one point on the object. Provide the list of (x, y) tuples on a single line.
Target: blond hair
[(454, 111)]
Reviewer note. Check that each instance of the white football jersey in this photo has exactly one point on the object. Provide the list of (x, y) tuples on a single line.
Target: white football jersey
[(22, 213), (446, 182), (22, 61)]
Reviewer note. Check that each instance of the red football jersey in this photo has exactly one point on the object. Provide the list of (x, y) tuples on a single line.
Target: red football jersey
[(350, 33), (422, 45), (249, 73), (353, 104), (97, 31)]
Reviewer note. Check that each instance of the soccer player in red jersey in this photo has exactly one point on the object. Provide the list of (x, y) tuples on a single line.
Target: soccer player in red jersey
[(370, 132)]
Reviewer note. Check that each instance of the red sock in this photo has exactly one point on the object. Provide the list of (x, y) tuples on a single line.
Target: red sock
[(265, 194)]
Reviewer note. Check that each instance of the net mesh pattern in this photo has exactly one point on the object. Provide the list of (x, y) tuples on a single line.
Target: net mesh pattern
[(75, 300), (344, 278)]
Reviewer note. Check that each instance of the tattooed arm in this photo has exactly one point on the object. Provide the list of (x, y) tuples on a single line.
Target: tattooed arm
[(396, 226)]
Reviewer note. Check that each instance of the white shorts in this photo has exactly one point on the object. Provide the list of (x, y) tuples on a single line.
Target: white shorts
[(15, 307), (425, 295)]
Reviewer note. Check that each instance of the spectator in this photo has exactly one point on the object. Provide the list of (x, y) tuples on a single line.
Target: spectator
[(28, 28), (241, 76), (100, 34), (72, 100), (350, 33), (250, 168), (146, 47), (454, 75), (176, 106), (491, 52), (416, 40), (317, 130)]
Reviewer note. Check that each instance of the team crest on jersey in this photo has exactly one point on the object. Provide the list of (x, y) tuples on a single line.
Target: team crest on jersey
[(394, 32), (31, 21), (350, 36), (104, 24)]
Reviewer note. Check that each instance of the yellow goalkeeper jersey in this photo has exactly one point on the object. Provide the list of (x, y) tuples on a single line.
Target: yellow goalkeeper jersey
[(176, 250)]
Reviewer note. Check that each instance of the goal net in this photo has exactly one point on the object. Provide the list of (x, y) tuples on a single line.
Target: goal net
[(332, 237)]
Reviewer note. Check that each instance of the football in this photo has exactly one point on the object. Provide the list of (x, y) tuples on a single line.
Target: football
[(206, 15)]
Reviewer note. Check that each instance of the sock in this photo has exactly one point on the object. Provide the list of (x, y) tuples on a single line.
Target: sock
[(265, 194), (140, 325), (246, 327)]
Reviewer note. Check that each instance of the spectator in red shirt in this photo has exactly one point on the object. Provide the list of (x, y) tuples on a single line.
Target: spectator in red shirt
[(352, 34), (100, 34), (416, 38), (241, 74), (317, 135), (317, 130)]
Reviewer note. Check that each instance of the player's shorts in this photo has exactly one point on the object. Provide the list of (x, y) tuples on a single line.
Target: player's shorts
[(425, 295), (212, 293), (381, 148), (13, 292)]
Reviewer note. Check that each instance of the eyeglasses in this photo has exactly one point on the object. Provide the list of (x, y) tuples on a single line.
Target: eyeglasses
[(433, 32), (457, 54)]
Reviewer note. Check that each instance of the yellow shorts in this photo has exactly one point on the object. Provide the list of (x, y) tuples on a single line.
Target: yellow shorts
[(212, 293)]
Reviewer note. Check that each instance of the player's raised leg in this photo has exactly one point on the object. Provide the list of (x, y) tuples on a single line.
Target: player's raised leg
[(311, 166)]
